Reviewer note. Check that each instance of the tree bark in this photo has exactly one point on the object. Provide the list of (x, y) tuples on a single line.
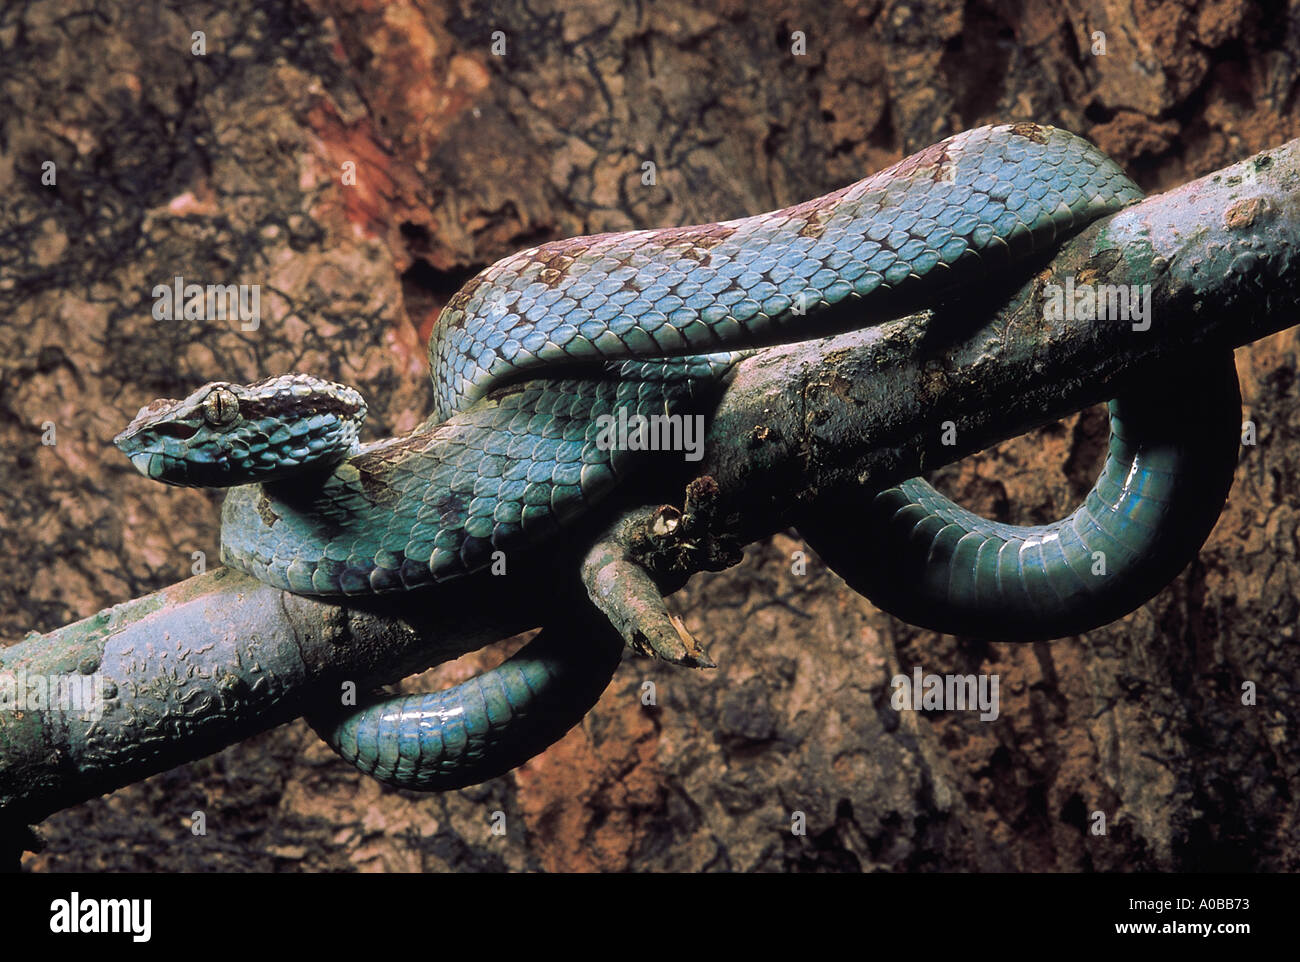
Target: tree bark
[(229, 168)]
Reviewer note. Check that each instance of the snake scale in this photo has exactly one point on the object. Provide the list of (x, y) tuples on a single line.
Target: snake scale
[(533, 350)]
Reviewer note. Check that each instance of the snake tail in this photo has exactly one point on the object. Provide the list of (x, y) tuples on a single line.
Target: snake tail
[(1172, 455), (485, 726)]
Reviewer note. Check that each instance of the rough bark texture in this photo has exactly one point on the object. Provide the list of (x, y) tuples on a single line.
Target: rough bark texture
[(227, 168)]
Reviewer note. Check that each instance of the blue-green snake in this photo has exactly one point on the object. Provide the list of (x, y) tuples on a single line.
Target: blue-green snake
[(531, 352)]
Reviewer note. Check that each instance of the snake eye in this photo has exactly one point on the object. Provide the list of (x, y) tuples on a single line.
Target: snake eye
[(220, 407)]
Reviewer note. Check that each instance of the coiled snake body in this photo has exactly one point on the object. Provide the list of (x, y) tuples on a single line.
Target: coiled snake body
[(530, 353)]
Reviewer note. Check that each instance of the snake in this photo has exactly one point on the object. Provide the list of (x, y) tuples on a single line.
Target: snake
[(541, 348)]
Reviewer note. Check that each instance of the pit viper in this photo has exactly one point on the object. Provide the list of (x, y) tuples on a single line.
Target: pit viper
[(530, 354)]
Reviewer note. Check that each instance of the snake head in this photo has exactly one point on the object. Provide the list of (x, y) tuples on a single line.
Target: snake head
[(227, 434)]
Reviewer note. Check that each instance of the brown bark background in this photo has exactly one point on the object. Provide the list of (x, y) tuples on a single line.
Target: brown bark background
[(227, 168)]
